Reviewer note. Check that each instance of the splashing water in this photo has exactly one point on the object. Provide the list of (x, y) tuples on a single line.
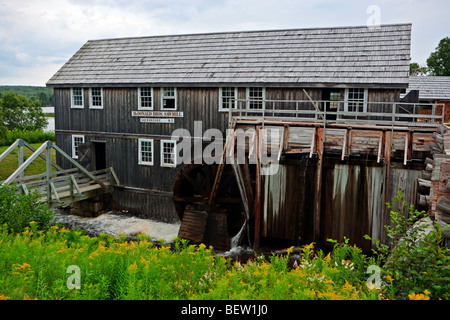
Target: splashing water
[(116, 224)]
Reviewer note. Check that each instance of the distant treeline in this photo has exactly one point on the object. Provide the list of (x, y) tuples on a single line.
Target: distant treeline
[(43, 94)]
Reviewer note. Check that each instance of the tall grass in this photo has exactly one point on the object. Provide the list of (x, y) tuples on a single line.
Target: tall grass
[(34, 265), (36, 136)]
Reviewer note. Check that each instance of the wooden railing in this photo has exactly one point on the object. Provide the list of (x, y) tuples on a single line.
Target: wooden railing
[(57, 186), (347, 112)]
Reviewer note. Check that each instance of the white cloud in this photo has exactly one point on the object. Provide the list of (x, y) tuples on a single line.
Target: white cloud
[(38, 35)]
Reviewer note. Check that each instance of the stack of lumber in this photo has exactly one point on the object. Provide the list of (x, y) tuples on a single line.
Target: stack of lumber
[(434, 186)]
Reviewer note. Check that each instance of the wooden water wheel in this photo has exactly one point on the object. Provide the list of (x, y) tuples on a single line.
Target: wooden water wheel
[(202, 221)]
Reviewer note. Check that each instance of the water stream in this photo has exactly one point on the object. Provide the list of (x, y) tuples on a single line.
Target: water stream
[(119, 224)]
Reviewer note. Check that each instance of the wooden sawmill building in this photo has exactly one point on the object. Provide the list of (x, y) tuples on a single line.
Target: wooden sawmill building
[(118, 101)]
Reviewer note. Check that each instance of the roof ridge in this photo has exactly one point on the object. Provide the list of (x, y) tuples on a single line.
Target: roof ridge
[(250, 31)]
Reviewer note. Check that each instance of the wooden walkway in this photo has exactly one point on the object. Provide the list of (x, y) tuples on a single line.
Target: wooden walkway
[(58, 187)]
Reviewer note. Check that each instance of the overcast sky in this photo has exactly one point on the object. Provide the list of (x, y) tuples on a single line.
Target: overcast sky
[(38, 36)]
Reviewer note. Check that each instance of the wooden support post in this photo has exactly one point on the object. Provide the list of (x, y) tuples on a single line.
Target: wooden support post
[(313, 143), (20, 156), (405, 155), (318, 191), (380, 144), (344, 145), (48, 163), (257, 202), (387, 173)]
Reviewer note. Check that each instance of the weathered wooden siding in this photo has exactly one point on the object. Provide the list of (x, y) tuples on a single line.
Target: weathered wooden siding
[(288, 202), (352, 202)]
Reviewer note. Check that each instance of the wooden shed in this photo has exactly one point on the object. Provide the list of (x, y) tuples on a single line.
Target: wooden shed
[(118, 102)]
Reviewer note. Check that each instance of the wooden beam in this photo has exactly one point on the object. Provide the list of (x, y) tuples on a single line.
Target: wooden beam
[(8, 151), (79, 166), (257, 202), (318, 186), (313, 143), (25, 164), (405, 155), (387, 173), (380, 145), (344, 145)]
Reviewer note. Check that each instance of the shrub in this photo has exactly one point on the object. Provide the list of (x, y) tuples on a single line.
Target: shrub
[(35, 136), (415, 265), (17, 211)]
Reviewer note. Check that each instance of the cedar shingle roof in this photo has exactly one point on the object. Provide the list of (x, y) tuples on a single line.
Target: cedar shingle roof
[(430, 88), (344, 55)]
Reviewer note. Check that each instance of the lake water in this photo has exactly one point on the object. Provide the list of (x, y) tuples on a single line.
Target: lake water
[(51, 120)]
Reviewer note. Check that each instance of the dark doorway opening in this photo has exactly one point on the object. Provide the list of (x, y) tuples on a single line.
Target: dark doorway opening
[(99, 158), (331, 98)]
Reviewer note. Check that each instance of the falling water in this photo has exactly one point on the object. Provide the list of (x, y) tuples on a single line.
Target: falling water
[(235, 249), (119, 224)]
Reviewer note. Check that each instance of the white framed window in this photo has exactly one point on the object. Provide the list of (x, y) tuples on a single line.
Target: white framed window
[(76, 98), (255, 97), (356, 100), (225, 95), (169, 98), (96, 98), (145, 98), (76, 141), (145, 151), (168, 153)]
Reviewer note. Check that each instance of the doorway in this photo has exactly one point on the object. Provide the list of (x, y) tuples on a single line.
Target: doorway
[(331, 98), (99, 155)]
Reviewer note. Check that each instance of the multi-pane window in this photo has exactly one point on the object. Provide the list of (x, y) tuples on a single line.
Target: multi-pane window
[(76, 98), (145, 98), (356, 100), (168, 153), (145, 151), (335, 97), (227, 95), (76, 141), (168, 98), (255, 97), (96, 98)]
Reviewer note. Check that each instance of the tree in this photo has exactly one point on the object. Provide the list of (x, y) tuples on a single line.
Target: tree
[(19, 112), (416, 70), (439, 60)]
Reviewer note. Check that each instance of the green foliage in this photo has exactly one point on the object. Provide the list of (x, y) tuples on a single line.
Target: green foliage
[(17, 211), (415, 262), (35, 136), (43, 94), (21, 113), (439, 60), (416, 70)]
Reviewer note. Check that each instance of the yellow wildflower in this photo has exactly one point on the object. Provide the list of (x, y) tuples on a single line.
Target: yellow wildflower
[(418, 296), (132, 267), (389, 278), (22, 266)]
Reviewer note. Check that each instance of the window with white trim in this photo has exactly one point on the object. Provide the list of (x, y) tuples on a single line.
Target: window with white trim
[(76, 141), (96, 98), (76, 98), (168, 153), (225, 95), (169, 98), (255, 97), (145, 151), (145, 97), (356, 100)]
